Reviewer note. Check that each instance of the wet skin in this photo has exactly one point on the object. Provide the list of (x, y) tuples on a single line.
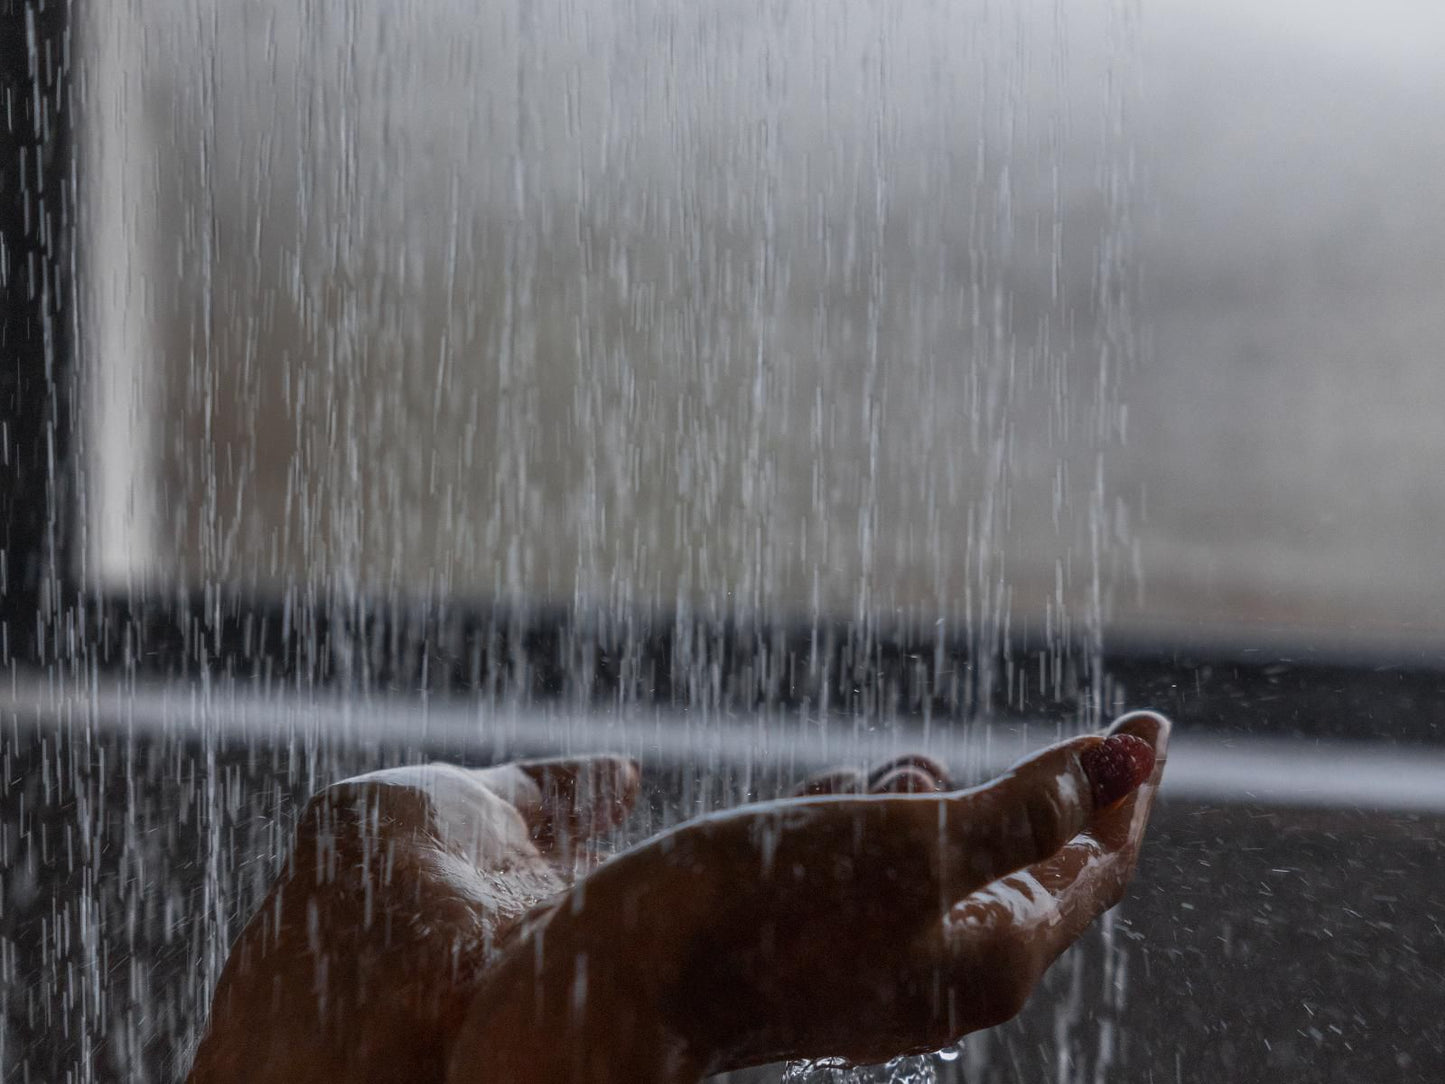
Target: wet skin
[(429, 925)]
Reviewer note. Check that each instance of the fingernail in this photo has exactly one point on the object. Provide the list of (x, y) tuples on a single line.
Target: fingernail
[(906, 781), (914, 761), (1116, 766)]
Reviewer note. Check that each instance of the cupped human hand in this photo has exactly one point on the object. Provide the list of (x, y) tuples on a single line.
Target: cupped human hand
[(437, 923), (871, 916), (402, 888)]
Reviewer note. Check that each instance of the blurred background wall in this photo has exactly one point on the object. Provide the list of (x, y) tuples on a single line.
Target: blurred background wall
[(1087, 315)]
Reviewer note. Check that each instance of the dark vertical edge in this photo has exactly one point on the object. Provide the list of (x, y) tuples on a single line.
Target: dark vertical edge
[(36, 373), (37, 216)]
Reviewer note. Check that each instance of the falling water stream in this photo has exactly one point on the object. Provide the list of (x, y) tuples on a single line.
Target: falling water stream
[(752, 387), (750, 315)]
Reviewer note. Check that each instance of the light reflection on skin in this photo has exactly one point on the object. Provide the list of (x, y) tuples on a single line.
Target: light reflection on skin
[(1019, 897)]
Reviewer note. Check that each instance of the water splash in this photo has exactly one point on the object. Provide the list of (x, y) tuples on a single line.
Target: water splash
[(920, 1069)]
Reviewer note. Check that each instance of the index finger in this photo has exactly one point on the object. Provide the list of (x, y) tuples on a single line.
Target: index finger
[(1046, 907)]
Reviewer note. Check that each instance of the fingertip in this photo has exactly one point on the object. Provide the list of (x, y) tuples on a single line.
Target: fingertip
[(1151, 726), (1116, 766), (1144, 723), (935, 770), (582, 795), (629, 773), (622, 790), (907, 780)]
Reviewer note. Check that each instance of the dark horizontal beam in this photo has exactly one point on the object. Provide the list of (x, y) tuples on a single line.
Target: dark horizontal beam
[(892, 669)]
